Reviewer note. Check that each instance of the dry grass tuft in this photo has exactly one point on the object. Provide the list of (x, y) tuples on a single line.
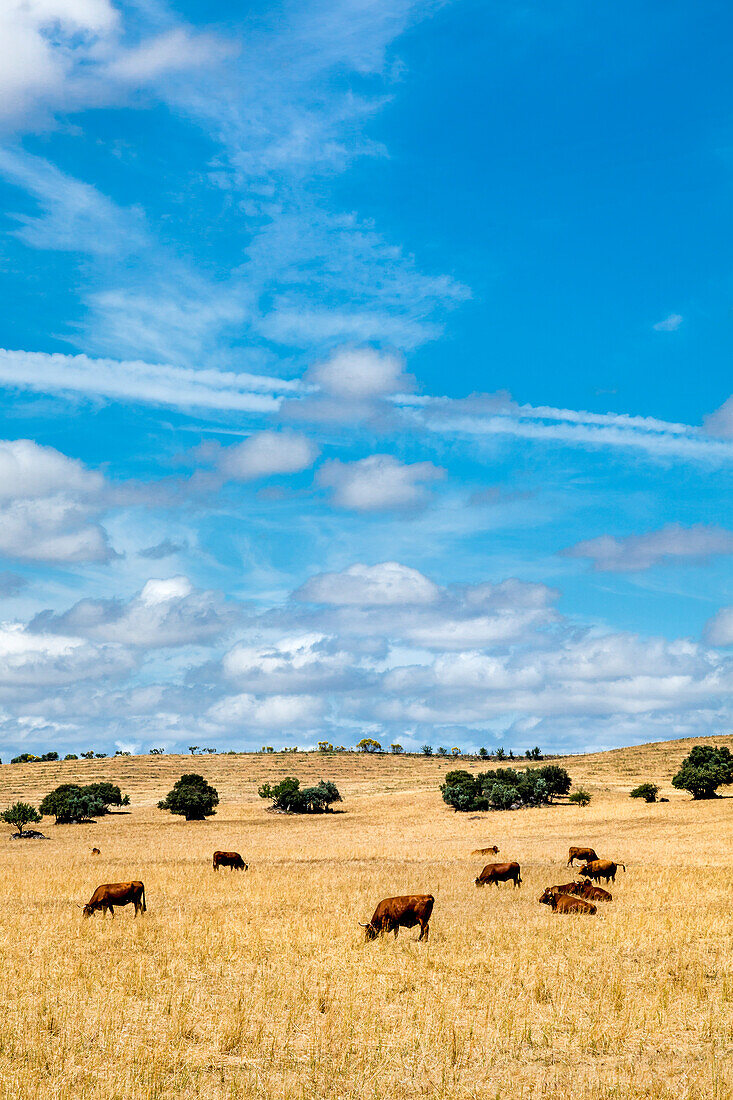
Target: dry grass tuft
[(259, 984)]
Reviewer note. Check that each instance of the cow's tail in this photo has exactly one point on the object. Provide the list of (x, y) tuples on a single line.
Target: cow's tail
[(624, 867), (145, 908)]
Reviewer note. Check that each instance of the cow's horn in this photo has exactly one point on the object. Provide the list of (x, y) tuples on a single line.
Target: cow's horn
[(362, 925)]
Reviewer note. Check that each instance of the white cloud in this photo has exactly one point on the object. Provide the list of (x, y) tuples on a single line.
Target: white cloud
[(48, 504), (266, 453), (36, 660), (669, 324), (719, 629), (720, 423), (175, 50), (672, 543), (165, 613), (360, 374), (304, 663), (136, 382), (381, 585), (274, 712), (378, 483)]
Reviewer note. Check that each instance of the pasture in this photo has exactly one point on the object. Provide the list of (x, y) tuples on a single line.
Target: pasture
[(259, 984)]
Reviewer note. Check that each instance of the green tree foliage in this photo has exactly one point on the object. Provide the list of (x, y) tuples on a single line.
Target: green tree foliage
[(647, 791), (704, 770), (24, 758), (427, 750), (21, 814), (580, 797), (504, 788), (396, 748), (289, 796), (191, 797), (534, 754), (71, 804)]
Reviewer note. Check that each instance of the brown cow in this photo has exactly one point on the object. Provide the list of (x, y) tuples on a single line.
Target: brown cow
[(116, 893), (96, 852), (585, 855), (493, 851), (401, 912), (500, 872), (585, 890), (601, 868), (565, 888), (233, 860), (566, 903)]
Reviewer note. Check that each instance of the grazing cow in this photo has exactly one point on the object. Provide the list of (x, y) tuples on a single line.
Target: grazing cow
[(116, 893), (566, 903), (500, 872), (95, 852), (601, 868), (233, 860), (585, 890), (402, 912), (493, 851), (585, 855)]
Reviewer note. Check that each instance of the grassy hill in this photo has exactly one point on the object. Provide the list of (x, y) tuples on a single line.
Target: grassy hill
[(260, 984)]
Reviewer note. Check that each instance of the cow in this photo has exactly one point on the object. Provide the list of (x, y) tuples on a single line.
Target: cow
[(233, 860), (96, 852), (116, 893), (566, 903), (493, 851), (585, 855), (601, 868), (565, 888), (500, 872), (401, 912), (585, 890)]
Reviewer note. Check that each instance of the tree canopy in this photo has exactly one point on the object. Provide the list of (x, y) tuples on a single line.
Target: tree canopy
[(504, 788), (71, 803), (704, 770), (289, 796), (191, 797)]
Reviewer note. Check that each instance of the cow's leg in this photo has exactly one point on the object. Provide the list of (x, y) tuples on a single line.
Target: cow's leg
[(424, 930)]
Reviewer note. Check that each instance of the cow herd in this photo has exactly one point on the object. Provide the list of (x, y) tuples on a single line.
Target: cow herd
[(410, 910)]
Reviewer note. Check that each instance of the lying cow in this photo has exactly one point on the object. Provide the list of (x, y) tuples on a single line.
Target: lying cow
[(96, 852), (401, 912), (585, 855), (585, 890), (493, 851), (601, 868), (116, 893), (566, 903), (233, 860), (500, 872), (565, 888)]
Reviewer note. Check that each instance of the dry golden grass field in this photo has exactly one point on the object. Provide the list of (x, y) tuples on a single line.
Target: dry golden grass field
[(260, 984)]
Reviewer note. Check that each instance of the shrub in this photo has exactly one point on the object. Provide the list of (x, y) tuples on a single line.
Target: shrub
[(325, 746), (191, 797), (368, 744), (579, 797), (24, 758), (442, 751), (504, 788), (71, 756), (427, 750), (483, 753), (20, 814), (287, 795), (396, 748), (71, 804), (534, 754), (704, 770), (647, 791)]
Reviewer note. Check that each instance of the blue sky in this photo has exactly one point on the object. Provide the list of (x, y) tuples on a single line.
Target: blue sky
[(365, 369)]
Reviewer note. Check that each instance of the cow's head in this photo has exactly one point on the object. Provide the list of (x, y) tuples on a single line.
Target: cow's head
[(585, 870), (87, 910), (479, 881), (370, 932), (547, 896)]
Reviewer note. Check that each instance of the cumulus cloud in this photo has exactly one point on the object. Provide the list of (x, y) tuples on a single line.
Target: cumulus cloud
[(48, 504), (267, 453), (379, 585), (378, 483), (309, 663), (719, 629), (273, 712), (669, 324), (165, 613), (37, 660), (672, 543)]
